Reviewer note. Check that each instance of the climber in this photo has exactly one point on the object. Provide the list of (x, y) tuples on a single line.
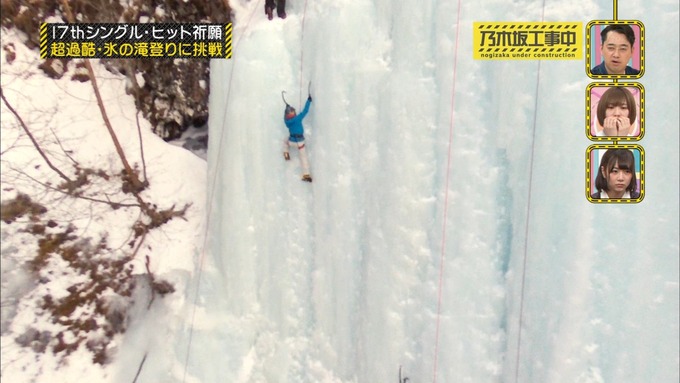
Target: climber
[(296, 136), (280, 6)]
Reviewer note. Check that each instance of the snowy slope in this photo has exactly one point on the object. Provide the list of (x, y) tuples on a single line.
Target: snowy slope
[(339, 280), (64, 117)]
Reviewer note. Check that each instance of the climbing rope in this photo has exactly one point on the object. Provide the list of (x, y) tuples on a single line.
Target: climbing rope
[(302, 50), (528, 216), (446, 199), (214, 175), (212, 194)]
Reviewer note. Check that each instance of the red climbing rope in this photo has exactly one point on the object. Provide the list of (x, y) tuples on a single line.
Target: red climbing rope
[(446, 200)]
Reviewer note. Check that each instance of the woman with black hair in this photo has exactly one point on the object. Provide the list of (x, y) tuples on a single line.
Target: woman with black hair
[(616, 176)]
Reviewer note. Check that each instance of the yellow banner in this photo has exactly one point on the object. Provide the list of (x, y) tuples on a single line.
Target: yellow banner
[(528, 40)]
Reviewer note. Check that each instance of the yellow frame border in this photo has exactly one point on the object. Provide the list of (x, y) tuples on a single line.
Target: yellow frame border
[(641, 43), (527, 51), (641, 115), (226, 44), (228, 40), (616, 200)]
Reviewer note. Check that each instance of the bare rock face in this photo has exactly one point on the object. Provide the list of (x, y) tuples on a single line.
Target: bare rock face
[(171, 93)]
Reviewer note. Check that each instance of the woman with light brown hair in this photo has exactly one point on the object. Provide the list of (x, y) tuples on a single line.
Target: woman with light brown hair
[(616, 113)]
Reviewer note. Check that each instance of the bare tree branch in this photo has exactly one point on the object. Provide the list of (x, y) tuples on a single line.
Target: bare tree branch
[(66, 193), (66, 152), (30, 136), (131, 71), (132, 176), (141, 145)]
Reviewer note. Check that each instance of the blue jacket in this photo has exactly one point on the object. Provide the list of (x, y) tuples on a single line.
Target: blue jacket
[(294, 124), (600, 69)]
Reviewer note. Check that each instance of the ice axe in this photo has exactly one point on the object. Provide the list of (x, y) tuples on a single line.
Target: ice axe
[(284, 98), (402, 380)]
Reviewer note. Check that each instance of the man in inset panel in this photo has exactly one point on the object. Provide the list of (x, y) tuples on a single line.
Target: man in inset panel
[(617, 49)]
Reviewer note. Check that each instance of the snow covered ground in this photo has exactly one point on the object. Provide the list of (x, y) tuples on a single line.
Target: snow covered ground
[(64, 117), (446, 230)]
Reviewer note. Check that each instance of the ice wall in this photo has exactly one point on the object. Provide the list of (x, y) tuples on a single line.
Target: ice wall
[(339, 280)]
